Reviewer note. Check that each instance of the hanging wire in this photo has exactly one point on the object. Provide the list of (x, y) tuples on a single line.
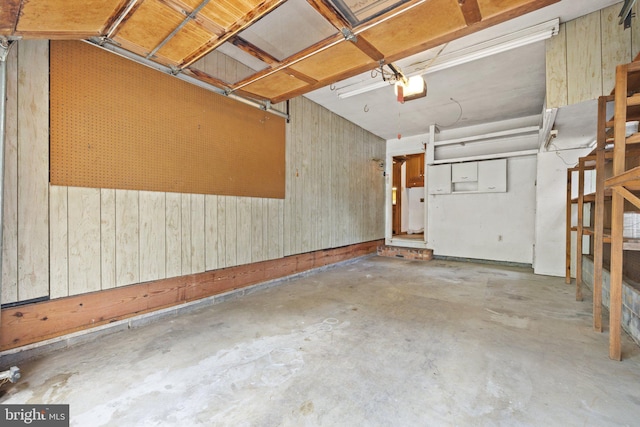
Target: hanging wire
[(456, 121)]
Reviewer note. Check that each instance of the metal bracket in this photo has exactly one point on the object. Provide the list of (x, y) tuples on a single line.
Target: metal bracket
[(349, 36), (12, 375), (5, 47)]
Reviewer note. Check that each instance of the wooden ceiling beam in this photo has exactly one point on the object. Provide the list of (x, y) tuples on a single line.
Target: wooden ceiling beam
[(9, 16), (120, 18), (300, 76), (253, 50), (254, 15), (510, 14), (317, 47), (199, 19), (329, 12), (368, 49), (471, 11)]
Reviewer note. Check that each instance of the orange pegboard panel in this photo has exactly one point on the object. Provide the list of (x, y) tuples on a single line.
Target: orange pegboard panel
[(118, 124)]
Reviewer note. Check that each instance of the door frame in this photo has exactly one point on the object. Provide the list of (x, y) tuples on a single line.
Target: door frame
[(388, 230)]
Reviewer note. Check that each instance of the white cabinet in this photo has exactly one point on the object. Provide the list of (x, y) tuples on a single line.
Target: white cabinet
[(439, 179), (492, 176), (464, 172)]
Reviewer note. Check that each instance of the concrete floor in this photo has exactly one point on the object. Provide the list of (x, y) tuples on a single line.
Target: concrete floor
[(378, 342)]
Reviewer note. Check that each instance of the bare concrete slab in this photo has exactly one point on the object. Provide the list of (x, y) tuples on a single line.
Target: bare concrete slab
[(379, 342)]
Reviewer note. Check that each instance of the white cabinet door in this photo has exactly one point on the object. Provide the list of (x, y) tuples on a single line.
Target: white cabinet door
[(464, 172), (492, 176), (439, 179)]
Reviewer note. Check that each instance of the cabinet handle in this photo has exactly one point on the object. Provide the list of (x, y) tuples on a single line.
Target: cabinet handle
[(492, 188), (464, 177)]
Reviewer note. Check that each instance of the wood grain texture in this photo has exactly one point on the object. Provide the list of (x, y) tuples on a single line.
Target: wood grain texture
[(556, 69), (108, 238), (635, 32), (222, 232), (9, 291), (33, 166), (153, 240), (84, 240), (211, 232), (243, 231), (173, 260), (58, 242), (616, 46), (231, 238), (127, 238), (185, 209), (256, 247), (197, 233), (332, 184), (584, 53)]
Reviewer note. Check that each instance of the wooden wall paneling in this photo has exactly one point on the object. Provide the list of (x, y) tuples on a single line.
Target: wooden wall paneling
[(336, 230), (361, 173), (33, 167), (379, 152), (257, 227), (326, 199), (294, 240), (635, 32), (185, 218), (153, 240), (306, 165), (290, 174), (274, 232), (231, 238), (280, 233), (616, 46), (243, 231), (58, 242), (222, 232), (347, 182), (173, 233), (197, 234), (84, 240), (127, 238), (316, 183), (556, 69), (9, 291), (265, 225), (108, 238), (584, 58), (211, 231)]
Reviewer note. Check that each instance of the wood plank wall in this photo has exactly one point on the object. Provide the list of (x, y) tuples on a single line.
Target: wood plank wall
[(64, 241), (334, 190), (581, 60)]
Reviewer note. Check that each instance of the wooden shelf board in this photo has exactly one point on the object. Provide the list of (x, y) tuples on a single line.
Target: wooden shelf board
[(633, 139), (633, 100), (629, 179)]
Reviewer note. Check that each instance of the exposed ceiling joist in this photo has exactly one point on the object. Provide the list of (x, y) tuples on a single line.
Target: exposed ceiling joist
[(471, 11), (177, 33)]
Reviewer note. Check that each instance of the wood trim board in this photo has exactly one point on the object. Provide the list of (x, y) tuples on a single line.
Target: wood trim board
[(32, 323)]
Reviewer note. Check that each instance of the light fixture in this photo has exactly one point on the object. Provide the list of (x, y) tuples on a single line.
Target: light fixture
[(491, 47), (407, 89)]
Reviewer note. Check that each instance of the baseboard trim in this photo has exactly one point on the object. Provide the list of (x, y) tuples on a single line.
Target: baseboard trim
[(41, 322)]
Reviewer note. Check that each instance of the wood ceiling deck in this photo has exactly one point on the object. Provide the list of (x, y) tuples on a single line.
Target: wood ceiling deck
[(177, 33)]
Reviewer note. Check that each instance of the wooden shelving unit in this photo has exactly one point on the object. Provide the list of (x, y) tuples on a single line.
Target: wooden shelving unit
[(624, 182), (613, 185)]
